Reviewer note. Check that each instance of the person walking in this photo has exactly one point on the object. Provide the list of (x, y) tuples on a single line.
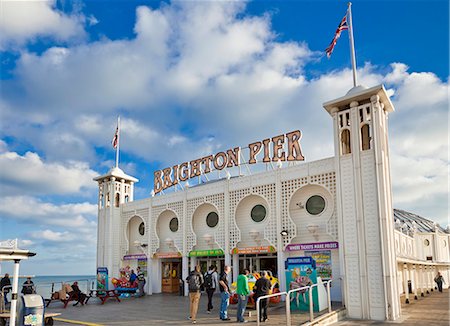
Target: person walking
[(195, 282), (141, 282), (5, 282), (28, 286), (211, 284), (242, 291), (262, 287), (224, 287), (439, 280)]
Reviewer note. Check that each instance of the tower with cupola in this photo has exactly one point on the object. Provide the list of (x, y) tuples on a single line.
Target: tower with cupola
[(114, 189), (364, 203)]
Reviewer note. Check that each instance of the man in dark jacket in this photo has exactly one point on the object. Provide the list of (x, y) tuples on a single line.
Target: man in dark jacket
[(5, 281), (262, 287), (28, 286)]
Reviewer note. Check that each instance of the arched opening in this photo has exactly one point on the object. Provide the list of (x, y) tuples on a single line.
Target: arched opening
[(108, 200), (252, 215), (117, 200), (168, 228), (135, 234), (345, 142), (205, 223), (365, 137)]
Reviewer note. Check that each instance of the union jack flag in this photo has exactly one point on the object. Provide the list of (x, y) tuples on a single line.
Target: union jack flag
[(342, 26), (115, 140)]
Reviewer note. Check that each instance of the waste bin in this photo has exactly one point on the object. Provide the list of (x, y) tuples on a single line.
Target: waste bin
[(31, 310), (409, 287), (181, 287)]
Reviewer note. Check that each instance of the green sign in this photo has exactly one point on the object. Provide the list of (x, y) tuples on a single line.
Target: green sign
[(208, 253)]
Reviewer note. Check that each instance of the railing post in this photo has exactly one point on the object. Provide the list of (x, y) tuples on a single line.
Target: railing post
[(288, 309), (257, 311), (311, 308), (329, 295)]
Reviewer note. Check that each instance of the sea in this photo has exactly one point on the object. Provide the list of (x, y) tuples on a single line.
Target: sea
[(45, 285)]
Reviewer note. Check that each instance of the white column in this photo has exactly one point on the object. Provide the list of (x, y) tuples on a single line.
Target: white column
[(235, 267), (421, 280), (415, 280), (280, 227), (405, 282), (427, 275), (185, 272), (12, 321)]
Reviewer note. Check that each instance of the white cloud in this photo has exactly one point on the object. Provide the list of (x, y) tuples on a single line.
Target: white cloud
[(32, 210), (29, 174), (22, 21), (49, 235)]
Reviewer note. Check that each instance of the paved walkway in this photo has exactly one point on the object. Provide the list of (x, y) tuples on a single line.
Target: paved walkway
[(431, 310), (163, 309)]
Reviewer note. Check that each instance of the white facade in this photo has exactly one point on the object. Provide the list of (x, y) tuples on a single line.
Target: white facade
[(354, 186)]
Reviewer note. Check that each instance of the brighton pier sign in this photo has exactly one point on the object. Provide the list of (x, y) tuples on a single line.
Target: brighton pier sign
[(282, 148)]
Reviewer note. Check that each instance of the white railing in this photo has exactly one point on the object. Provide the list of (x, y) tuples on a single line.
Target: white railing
[(265, 297), (288, 302), (308, 289)]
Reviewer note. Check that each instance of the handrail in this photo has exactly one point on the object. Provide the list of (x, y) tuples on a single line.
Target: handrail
[(265, 297), (308, 288), (288, 302)]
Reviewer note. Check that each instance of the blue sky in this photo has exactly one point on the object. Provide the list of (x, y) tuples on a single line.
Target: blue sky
[(189, 78)]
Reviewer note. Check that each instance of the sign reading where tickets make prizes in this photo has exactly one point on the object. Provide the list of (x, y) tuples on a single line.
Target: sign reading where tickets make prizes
[(313, 246), (206, 253)]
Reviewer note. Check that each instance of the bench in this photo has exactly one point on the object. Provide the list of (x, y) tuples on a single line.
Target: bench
[(104, 295), (72, 297), (48, 318)]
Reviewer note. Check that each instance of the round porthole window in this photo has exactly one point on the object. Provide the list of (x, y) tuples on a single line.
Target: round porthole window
[(142, 228), (426, 242), (173, 225), (258, 213), (212, 219), (315, 205)]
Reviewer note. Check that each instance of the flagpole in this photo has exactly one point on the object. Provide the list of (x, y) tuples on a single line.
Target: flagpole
[(118, 142), (352, 43)]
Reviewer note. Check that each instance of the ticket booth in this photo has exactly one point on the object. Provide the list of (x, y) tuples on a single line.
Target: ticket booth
[(171, 273)]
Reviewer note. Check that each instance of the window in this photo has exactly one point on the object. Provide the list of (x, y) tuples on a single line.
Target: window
[(315, 205), (142, 228), (258, 213), (117, 200), (345, 142), (212, 219), (426, 242), (173, 225), (365, 137)]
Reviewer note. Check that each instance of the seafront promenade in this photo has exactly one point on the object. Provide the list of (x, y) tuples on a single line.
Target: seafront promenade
[(161, 309)]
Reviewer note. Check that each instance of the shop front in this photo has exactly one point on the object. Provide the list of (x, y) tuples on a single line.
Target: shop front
[(257, 259), (207, 258), (171, 271)]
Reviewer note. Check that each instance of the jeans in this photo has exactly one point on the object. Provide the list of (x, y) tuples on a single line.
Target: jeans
[(210, 293), (225, 301), (194, 299), (242, 304), (263, 303), (141, 288)]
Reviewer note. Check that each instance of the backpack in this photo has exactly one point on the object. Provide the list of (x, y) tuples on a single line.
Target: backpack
[(194, 282), (209, 281)]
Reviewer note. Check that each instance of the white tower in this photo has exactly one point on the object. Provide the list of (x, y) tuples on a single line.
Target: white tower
[(364, 203), (114, 189)]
